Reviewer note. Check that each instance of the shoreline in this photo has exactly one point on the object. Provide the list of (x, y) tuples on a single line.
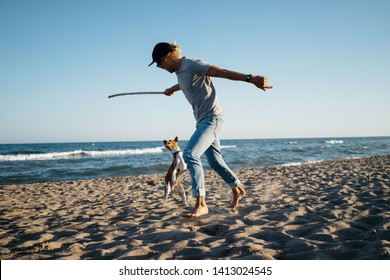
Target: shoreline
[(27, 164), (334, 209), (206, 169)]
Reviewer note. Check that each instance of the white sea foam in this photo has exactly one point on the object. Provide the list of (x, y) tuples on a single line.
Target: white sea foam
[(79, 153), (46, 156), (334, 141), (300, 163)]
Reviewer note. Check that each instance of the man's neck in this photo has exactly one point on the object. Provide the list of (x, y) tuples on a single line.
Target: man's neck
[(176, 63)]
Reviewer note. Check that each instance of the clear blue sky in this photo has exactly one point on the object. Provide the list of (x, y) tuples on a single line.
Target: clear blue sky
[(329, 63)]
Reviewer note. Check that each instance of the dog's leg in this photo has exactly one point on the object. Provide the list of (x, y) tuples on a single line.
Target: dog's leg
[(183, 194), (173, 177), (167, 190)]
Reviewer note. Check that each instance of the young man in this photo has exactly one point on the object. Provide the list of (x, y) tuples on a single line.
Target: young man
[(194, 81)]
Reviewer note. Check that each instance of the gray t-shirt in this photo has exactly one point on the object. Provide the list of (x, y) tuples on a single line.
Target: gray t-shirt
[(198, 88)]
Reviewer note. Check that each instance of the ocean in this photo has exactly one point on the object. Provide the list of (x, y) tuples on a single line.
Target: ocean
[(33, 163)]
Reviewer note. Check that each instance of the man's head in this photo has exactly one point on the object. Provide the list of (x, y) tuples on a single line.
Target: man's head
[(164, 53)]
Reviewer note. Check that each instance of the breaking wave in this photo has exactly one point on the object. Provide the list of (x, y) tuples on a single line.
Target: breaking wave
[(228, 147), (334, 142), (79, 153)]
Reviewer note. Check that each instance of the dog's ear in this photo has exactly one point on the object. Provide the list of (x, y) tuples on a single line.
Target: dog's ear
[(176, 139)]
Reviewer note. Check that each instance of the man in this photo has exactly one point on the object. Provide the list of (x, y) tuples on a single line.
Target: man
[(194, 81)]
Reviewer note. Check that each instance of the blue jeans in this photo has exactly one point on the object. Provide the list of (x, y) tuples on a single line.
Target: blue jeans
[(205, 140)]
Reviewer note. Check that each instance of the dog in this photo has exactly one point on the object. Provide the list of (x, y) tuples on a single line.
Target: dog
[(175, 171)]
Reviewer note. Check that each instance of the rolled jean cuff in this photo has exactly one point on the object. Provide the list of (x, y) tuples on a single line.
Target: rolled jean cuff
[(235, 184)]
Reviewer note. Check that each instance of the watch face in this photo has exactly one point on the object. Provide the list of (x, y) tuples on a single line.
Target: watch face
[(248, 77)]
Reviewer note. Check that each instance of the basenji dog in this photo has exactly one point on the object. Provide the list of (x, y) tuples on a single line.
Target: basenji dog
[(175, 171)]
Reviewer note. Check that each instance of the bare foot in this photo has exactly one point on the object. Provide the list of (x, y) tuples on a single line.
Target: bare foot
[(238, 193), (200, 208), (200, 211)]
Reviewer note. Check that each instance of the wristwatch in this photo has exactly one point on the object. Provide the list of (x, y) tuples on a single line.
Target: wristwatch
[(248, 77)]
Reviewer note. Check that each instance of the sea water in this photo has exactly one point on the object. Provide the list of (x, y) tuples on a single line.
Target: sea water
[(31, 163)]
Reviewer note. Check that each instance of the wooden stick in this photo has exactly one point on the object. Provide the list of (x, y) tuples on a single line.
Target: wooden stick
[(136, 93)]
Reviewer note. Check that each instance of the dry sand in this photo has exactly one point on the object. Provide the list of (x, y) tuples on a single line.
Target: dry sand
[(336, 209)]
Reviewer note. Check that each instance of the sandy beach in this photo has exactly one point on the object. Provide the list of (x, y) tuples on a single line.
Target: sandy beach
[(337, 209)]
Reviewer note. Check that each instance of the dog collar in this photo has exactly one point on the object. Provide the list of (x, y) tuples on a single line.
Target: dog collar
[(176, 153)]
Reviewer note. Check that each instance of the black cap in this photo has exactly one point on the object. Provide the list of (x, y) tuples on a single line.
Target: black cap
[(160, 50)]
